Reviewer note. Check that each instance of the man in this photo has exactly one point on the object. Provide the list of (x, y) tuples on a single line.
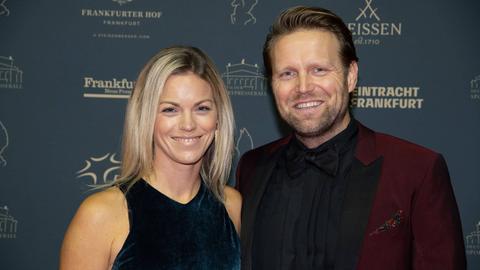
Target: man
[(335, 194)]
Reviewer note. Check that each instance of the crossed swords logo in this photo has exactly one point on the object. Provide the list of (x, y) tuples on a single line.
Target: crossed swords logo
[(368, 7)]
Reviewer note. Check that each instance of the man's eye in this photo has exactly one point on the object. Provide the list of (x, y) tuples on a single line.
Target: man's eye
[(287, 74), (319, 70)]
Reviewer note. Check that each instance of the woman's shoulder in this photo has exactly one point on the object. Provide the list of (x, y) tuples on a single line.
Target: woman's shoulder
[(233, 204), (96, 231), (102, 209)]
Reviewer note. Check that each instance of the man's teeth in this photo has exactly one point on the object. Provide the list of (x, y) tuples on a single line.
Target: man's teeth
[(307, 105)]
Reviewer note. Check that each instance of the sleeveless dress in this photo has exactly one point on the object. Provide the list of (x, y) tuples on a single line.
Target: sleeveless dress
[(165, 234)]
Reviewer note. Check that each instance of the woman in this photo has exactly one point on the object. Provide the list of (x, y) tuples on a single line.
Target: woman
[(170, 208)]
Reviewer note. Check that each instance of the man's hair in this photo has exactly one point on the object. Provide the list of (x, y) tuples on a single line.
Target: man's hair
[(138, 151), (310, 18)]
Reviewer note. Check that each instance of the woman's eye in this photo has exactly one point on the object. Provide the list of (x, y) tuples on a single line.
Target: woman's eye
[(204, 108), (169, 110)]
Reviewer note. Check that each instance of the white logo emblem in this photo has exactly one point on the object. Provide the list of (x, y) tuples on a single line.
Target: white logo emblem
[(114, 88), (368, 29), (8, 224), (3, 9), (368, 8), (475, 88), (242, 12), (10, 75), (244, 142), (3, 144), (244, 80), (472, 241), (106, 166), (122, 2)]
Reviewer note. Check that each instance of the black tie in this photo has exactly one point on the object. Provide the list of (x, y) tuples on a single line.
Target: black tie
[(325, 159)]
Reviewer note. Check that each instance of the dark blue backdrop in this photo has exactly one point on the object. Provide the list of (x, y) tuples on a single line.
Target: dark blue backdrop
[(67, 67)]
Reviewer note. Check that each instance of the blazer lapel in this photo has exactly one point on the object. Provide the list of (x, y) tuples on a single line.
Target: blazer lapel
[(359, 196), (260, 180)]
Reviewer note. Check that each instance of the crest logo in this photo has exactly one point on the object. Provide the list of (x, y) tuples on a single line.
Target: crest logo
[(10, 75), (3, 144), (106, 166), (369, 29), (475, 88), (8, 224), (3, 8), (472, 241), (242, 12), (122, 2), (243, 79)]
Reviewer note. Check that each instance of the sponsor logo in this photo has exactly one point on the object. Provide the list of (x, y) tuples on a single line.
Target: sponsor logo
[(244, 142), (3, 144), (10, 75), (475, 88), (472, 241), (122, 2), (387, 97), (121, 23), (242, 12), (243, 79), (370, 29), (100, 170), (8, 224), (112, 88), (3, 8)]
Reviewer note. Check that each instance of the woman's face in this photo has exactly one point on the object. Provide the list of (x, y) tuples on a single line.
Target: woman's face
[(186, 120)]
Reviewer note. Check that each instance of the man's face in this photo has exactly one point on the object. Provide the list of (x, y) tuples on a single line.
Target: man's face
[(309, 83)]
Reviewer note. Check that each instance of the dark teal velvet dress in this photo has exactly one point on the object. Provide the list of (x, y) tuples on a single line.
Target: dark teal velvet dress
[(165, 234)]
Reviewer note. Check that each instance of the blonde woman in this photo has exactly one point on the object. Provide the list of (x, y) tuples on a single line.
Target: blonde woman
[(170, 208)]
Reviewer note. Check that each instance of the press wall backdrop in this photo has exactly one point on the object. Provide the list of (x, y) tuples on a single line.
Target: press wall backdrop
[(68, 67)]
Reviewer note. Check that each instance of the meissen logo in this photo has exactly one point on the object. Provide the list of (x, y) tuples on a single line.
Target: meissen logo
[(475, 88), (114, 88), (3, 8), (386, 97), (368, 27), (8, 224), (472, 241), (242, 12), (10, 75), (106, 166), (244, 80), (3, 144)]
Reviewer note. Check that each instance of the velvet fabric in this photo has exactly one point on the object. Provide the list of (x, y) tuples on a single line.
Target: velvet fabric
[(165, 234)]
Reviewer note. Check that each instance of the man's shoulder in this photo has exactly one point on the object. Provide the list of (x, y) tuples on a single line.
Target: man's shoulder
[(387, 144)]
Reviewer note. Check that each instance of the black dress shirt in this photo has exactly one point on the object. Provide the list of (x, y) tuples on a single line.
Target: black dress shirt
[(296, 226)]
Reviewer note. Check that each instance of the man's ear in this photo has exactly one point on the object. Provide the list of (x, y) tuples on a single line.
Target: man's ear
[(352, 76)]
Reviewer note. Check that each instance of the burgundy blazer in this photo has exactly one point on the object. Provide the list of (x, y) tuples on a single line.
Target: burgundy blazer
[(399, 210)]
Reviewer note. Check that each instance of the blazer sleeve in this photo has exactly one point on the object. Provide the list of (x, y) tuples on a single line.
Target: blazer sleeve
[(436, 227)]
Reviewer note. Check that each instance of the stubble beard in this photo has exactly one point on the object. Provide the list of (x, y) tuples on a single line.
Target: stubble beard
[(327, 122)]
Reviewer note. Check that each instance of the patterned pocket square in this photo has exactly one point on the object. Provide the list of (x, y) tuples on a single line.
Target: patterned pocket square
[(391, 223)]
